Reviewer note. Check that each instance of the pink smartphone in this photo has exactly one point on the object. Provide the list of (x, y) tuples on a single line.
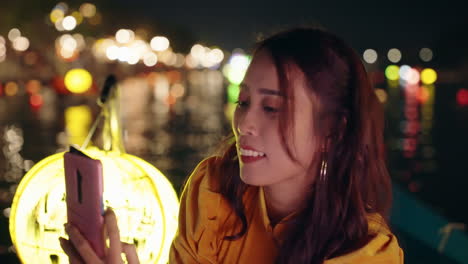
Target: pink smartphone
[(84, 188)]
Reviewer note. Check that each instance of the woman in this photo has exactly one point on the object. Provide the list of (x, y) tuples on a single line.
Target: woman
[(303, 179)]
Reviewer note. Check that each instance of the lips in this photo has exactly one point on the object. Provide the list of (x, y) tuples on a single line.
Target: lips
[(250, 154)]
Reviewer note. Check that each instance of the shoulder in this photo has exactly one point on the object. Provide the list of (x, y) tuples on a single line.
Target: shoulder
[(200, 196), (382, 248), (206, 176)]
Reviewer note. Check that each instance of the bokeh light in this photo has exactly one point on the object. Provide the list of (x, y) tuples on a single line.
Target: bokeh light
[(177, 90), (233, 93), (392, 72), (62, 6), (78, 17), (150, 59), (21, 43), (197, 51), (78, 80), (428, 76), (13, 34), (462, 97), (404, 72), (159, 43), (36, 100), (112, 52), (413, 76), (370, 56), (11, 88), (124, 54), (394, 55), (426, 54), (235, 69), (69, 23), (88, 10), (56, 14), (33, 87), (59, 25), (124, 36)]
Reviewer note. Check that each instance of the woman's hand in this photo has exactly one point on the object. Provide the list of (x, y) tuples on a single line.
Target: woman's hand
[(79, 250)]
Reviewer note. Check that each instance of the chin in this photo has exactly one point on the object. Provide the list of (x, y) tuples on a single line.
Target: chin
[(252, 180)]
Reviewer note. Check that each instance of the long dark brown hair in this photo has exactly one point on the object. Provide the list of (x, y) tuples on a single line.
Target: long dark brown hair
[(348, 121)]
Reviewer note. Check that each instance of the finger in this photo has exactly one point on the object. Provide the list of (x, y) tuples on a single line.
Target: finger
[(130, 253), (82, 246), (112, 229), (67, 247)]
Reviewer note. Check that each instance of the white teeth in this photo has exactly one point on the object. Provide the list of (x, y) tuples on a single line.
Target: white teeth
[(247, 152)]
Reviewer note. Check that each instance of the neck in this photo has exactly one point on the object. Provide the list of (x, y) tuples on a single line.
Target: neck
[(284, 198)]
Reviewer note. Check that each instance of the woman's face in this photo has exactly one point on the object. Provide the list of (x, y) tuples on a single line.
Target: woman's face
[(262, 158)]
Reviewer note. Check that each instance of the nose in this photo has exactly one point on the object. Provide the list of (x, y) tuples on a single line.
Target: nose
[(246, 124)]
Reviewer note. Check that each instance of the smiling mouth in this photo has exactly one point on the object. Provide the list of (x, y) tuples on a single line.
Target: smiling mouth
[(249, 155)]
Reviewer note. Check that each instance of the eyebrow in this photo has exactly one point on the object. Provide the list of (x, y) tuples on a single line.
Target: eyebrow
[(263, 90)]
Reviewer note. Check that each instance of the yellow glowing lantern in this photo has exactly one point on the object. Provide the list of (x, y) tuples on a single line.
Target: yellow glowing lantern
[(143, 199), (78, 80)]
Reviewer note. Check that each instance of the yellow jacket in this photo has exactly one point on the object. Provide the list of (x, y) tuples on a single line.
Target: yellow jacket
[(205, 219)]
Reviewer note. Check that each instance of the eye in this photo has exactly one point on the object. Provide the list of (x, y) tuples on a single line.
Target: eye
[(270, 109), (242, 104)]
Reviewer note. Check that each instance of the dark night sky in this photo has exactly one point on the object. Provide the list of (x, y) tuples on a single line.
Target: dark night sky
[(408, 25), (364, 23)]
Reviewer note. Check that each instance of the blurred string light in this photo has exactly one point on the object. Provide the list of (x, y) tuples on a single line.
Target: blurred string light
[(426, 54), (68, 46), (392, 72), (394, 55), (78, 80), (201, 56), (370, 56), (159, 43), (428, 76)]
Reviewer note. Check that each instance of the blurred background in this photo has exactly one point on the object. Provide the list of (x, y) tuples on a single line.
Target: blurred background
[(179, 68)]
